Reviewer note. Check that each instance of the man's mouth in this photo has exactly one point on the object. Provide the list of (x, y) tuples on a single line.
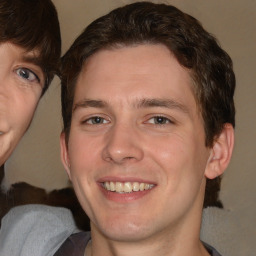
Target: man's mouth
[(126, 187)]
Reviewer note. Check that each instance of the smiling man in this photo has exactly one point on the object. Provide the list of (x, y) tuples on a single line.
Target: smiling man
[(147, 103)]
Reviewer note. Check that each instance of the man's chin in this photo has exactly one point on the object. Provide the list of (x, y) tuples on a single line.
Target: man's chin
[(125, 232)]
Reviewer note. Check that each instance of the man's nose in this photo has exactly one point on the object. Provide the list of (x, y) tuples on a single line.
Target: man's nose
[(123, 145)]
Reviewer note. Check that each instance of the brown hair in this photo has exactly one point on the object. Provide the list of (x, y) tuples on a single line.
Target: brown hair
[(196, 49), (33, 25)]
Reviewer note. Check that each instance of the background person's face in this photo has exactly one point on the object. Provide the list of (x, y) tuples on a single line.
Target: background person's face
[(136, 126), (21, 83)]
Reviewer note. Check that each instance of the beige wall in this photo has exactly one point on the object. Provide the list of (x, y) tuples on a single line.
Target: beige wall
[(36, 160)]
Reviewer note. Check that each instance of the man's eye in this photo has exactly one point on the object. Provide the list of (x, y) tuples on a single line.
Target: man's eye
[(159, 120), (96, 120), (27, 74)]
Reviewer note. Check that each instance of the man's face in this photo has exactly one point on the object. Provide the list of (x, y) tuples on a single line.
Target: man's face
[(136, 151), (21, 83)]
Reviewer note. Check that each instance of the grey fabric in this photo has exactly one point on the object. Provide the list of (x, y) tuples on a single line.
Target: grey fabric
[(220, 229), (75, 246), (35, 230), (211, 250)]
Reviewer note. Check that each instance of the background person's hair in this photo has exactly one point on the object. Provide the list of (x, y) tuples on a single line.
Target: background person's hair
[(148, 23), (33, 25)]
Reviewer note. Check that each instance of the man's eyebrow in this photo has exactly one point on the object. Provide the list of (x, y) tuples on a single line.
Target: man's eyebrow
[(143, 103), (86, 103), (32, 59), (165, 103)]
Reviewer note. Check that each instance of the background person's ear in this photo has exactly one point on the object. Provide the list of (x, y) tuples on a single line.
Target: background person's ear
[(221, 152), (64, 154)]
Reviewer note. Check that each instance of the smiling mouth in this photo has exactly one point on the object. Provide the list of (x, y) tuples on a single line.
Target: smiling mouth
[(126, 187)]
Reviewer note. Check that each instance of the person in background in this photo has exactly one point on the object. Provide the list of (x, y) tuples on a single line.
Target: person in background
[(30, 48), (149, 116)]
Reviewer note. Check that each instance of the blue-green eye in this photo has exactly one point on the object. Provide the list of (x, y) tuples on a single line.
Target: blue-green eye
[(27, 74), (159, 120), (96, 120)]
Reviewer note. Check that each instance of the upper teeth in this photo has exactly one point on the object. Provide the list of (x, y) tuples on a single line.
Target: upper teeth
[(126, 187)]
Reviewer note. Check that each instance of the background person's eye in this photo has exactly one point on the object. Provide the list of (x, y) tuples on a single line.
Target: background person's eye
[(27, 74)]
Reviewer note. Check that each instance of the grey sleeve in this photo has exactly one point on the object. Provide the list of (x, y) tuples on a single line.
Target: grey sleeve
[(35, 230), (221, 230)]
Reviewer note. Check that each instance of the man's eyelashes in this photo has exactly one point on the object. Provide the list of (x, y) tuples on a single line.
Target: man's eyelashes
[(27, 74)]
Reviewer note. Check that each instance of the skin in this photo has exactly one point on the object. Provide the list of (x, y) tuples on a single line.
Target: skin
[(21, 83), (127, 90)]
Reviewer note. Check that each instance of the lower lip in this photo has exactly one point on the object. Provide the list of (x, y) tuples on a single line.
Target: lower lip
[(124, 197)]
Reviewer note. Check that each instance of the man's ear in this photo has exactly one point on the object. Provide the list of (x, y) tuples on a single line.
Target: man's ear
[(64, 153), (221, 152)]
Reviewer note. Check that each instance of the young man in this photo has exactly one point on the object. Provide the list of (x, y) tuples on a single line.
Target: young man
[(30, 47), (148, 111)]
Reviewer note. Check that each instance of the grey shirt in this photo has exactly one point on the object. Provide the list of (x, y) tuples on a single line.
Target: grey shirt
[(39, 230), (75, 246), (35, 230)]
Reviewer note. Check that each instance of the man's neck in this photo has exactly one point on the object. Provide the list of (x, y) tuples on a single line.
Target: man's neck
[(162, 244)]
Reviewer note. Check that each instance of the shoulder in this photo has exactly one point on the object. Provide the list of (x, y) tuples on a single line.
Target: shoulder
[(35, 230), (211, 250), (74, 245), (219, 228)]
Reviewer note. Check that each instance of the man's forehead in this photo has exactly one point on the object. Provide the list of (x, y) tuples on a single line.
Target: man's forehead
[(26, 54), (102, 60), (86, 71), (32, 56)]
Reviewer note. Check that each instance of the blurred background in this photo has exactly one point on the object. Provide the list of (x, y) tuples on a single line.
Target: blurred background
[(37, 162)]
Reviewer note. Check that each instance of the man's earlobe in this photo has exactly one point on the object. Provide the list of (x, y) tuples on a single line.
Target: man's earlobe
[(221, 152), (64, 153)]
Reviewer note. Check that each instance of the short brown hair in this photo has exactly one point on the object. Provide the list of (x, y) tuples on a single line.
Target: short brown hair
[(33, 25), (194, 48)]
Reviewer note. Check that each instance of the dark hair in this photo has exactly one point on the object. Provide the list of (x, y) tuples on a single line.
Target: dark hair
[(194, 48), (33, 25)]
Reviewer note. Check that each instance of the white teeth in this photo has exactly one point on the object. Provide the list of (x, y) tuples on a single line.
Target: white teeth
[(135, 186), (147, 187), (112, 186), (126, 187), (106, 185), (119, 187)]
